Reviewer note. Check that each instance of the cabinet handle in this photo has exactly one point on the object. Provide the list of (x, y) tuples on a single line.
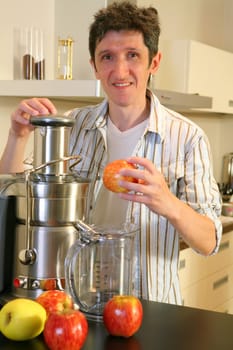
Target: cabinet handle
[(182, 264), (220, 282), (230, 103), (224, 245)]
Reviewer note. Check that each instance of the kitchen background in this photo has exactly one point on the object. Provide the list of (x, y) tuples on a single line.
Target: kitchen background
[(207, 23)]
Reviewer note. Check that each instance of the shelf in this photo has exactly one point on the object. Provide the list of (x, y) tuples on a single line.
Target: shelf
[(50, 88)]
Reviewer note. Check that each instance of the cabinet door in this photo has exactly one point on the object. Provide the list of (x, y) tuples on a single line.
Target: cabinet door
[(192, 67), (194, 267), (210, 72)]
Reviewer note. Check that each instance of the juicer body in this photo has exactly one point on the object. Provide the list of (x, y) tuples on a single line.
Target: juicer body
[(48, 200)]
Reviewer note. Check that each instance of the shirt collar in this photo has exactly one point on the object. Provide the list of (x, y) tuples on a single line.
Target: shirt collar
[(101, 114), (156, 117), (156, 123)]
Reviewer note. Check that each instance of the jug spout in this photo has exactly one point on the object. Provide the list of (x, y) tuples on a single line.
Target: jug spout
[(84, 227)]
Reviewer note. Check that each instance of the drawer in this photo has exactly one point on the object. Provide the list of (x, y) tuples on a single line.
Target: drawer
[(210, 292), (194, 267), (195, 295)]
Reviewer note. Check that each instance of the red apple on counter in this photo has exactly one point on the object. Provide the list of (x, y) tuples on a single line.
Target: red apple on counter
[(111, 175), (55, 300), (122, 315), (65, 330)]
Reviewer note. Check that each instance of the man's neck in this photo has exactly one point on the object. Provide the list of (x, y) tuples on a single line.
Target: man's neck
[(125, 118)]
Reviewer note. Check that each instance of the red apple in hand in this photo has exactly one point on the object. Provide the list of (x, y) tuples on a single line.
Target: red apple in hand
[(122, 315), (111, 175), (65, 330), (55, 300)]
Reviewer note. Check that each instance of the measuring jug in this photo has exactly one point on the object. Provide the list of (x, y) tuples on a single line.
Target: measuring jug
[(99, 265)]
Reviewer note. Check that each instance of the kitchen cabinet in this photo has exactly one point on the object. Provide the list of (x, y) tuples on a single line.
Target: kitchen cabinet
[(207, 282), (193, 67)]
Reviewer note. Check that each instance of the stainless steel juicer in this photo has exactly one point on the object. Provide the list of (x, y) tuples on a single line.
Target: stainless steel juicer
[(47, 200)]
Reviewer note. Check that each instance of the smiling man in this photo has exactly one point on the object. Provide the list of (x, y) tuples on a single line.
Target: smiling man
[(176, 195)]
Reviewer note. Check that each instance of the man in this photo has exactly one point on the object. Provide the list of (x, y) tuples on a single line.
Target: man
[(177, 196)]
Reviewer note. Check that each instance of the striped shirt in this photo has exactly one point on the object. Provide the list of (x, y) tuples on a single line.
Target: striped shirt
[(180, 150)]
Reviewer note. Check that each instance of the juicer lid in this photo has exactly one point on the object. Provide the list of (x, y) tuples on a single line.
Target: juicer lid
[(52, 120)]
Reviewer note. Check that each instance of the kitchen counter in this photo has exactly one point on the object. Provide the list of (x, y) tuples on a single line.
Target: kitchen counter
[(164, 327)]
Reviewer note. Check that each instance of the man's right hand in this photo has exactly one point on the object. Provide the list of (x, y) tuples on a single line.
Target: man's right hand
[(20, 126), (12, 160)]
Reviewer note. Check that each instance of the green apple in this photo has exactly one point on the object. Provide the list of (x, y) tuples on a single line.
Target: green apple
[(22, 319)]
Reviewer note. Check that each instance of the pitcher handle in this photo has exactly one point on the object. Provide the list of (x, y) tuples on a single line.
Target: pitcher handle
[(70, 260)]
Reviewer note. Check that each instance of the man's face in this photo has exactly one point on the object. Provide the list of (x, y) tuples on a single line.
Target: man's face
[(122, 66)]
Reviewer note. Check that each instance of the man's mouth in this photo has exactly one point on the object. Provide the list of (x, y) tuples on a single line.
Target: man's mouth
[(121, 84)]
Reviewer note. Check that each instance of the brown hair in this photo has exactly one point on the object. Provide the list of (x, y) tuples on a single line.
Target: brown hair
[(126, 16)]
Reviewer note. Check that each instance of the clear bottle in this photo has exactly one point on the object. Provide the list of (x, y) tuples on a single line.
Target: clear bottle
[(28, 57), (65, 58), (39, 55)]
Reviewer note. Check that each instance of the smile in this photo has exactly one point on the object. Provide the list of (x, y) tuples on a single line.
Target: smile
[(122, 84)]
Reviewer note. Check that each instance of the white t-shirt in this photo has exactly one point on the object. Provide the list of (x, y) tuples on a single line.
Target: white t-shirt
[(110, 209)]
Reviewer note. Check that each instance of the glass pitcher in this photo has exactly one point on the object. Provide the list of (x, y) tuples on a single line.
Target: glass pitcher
[(99, 265)]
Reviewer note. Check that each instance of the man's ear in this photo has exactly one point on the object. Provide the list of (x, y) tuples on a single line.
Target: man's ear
[(92, 62), (155, 62)]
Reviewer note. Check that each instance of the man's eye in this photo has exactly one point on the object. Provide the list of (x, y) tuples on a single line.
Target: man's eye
[(132, 54), (106, 57)]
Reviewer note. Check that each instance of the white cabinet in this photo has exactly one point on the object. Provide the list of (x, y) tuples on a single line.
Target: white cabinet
[(207, 282), (192, 67)]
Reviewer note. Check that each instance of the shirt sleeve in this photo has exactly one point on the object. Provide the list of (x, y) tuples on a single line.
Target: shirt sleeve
[(199, 188)]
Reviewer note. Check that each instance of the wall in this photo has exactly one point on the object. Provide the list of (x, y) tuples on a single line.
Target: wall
[(213, 126), (76, 24), (208, 21)]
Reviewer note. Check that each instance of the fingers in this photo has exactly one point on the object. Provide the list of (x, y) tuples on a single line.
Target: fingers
[(135, 197), (143, 162), (31, 107), (149, 180), (22, 118), (144, 172), (37, 106)]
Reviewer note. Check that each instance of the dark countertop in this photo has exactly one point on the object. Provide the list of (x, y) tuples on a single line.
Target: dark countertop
[(164, 327)]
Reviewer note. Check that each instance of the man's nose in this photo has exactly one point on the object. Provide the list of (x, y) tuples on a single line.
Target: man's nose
[(121, 67)]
